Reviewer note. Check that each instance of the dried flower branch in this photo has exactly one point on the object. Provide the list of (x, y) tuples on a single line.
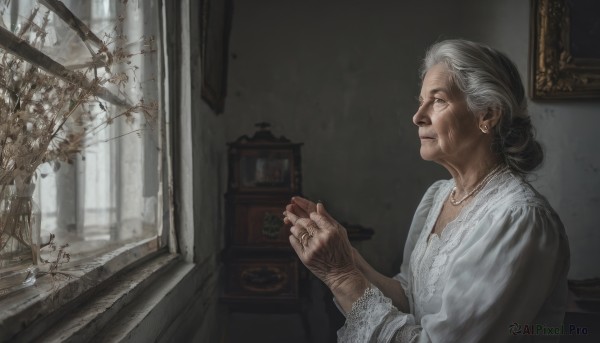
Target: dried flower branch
[(48, 110), (38, 96), (61, 257), (75, 23)]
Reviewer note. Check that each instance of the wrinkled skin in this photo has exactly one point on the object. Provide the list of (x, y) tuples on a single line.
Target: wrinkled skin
[(321, 243)]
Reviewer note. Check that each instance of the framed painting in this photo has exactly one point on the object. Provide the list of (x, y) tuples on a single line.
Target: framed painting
[(216, 26), (565, 54)]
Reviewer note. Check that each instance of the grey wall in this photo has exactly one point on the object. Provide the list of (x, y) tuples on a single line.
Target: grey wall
[(341, 77), (200, 179)]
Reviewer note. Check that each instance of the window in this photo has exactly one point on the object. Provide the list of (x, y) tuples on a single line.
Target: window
[(107, 198)]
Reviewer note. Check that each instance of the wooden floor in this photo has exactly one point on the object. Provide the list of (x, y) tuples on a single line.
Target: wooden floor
[(283, 328), (264, 328)]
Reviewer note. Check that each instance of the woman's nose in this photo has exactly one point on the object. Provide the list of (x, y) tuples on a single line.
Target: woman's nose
[(420, 118)]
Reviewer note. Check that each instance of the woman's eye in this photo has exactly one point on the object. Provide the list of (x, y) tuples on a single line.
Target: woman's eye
[(439, 101)]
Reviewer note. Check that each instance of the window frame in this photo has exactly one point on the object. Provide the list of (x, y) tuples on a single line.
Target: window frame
[(40, 310)]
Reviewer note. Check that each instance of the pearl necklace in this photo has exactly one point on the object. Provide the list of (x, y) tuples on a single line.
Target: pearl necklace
[(477, 188)]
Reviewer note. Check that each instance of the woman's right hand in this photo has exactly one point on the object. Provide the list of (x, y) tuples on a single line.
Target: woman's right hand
[(301, 208), (322, 245)]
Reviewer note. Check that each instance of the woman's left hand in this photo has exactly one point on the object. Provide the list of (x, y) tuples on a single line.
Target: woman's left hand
[(322, 245)]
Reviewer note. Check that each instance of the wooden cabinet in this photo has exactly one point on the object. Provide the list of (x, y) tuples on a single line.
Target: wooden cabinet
[(260, 266)]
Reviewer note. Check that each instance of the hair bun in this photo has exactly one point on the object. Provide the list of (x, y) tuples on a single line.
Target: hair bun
[(521, 151)]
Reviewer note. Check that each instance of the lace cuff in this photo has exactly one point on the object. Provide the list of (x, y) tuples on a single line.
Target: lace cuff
[(360, 305), (356, 305), (372, 318)]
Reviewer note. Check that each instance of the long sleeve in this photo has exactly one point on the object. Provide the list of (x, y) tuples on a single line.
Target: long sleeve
[(511, 268), (503, 276)]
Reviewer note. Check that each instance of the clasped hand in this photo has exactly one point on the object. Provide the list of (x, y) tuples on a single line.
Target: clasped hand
[(321, 243)]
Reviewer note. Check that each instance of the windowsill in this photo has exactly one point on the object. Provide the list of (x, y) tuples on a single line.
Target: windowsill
[(40, 308)]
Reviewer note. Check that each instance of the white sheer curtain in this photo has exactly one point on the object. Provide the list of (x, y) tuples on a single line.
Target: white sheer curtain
[(107, 196)]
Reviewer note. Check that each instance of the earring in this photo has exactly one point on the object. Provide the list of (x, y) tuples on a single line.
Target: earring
[(484, 128)]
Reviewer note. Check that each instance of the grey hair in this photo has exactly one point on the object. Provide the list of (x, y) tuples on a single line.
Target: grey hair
[(491, 81)]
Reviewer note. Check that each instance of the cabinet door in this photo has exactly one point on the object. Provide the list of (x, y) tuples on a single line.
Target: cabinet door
[(260, 224), (253, 277)]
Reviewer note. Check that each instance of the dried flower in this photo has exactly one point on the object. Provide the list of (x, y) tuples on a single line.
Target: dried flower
[(47, 110), (46, 115)]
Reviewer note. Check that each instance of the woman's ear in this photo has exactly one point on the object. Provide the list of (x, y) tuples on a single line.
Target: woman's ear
[(491, 118)]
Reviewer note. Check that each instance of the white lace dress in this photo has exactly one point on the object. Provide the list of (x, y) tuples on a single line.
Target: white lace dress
[(500, 265)]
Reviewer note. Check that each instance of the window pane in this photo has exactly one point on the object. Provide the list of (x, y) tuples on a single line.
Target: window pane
[(107, 195)]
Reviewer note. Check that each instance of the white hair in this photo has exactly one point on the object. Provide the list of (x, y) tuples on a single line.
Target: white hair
[(490, 81)]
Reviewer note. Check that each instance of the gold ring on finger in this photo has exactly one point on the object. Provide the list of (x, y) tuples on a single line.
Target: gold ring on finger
[(302, 238)]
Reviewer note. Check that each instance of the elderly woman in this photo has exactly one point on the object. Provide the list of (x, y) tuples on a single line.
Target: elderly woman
[(485, 254)]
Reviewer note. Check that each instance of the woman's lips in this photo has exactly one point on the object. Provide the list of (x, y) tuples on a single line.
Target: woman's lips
[(423, 135)]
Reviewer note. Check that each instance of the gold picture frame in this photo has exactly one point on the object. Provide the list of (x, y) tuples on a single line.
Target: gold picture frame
[(565, 55)]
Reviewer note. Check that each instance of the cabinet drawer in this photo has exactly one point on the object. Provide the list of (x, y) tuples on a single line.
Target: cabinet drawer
[(262, 277)]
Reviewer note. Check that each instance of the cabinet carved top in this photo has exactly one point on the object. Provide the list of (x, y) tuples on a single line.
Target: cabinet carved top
[(263, 136)]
